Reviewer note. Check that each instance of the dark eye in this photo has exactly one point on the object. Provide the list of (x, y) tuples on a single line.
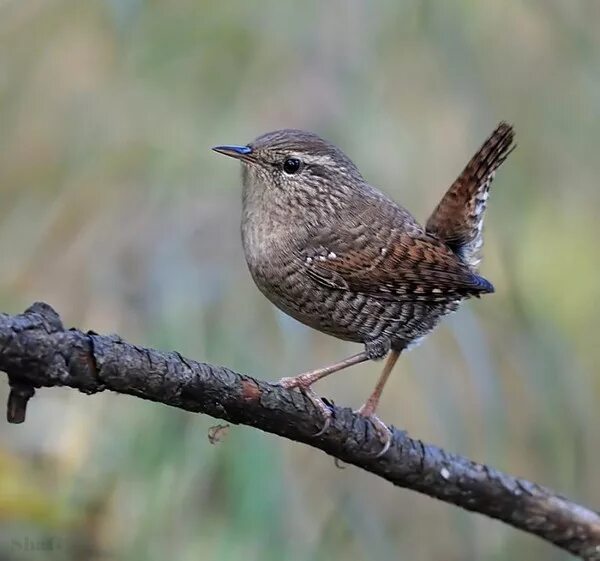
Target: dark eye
[(291, 165)]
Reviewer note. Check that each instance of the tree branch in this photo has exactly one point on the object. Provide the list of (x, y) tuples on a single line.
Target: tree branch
[(37, 351)]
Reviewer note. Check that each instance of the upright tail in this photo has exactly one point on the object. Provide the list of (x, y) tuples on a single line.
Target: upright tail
[(458, 218)]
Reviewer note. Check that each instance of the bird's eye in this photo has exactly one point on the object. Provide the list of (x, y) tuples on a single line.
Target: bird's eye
[(291, 165)]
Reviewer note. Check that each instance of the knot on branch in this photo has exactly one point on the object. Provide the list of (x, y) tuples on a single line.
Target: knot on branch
[(46, 316), (38, 316), (36, 351)]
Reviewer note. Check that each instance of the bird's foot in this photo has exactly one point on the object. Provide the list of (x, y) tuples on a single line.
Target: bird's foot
[(303, 386), (382, 430)]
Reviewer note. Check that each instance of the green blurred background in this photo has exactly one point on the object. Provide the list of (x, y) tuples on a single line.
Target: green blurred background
[(114, 210)]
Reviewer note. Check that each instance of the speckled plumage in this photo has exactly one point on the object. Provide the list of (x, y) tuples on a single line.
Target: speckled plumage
[(338, 255)]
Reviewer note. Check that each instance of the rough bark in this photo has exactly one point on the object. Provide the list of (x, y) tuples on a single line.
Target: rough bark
[(37, 351)]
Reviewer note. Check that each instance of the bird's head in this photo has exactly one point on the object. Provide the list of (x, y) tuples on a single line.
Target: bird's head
[(293, 160)]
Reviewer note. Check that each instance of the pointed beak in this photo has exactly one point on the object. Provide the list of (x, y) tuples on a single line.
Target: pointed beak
[(238, 152)]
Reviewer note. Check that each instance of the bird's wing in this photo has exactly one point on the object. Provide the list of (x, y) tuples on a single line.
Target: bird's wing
[(407, 266), (458, 218)]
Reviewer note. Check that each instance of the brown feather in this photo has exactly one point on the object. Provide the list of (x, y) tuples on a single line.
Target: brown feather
[(458, 218), (407, 267)]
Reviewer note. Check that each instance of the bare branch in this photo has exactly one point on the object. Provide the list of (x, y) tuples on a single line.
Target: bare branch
[(36, 351)]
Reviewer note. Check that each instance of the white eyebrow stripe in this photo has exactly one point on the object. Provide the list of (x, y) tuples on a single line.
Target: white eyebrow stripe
[(312, 159)]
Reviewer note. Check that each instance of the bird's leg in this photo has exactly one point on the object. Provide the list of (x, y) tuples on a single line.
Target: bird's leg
[(307, 379), (304, 382), (368, 409)]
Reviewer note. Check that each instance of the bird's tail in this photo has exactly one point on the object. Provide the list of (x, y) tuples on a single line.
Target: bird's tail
[(458, 218)]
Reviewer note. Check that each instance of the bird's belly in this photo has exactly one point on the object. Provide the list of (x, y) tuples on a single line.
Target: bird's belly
[(348, 315), (304, 300)]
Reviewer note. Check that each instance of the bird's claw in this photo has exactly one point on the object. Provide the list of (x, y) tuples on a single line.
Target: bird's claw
[(382, 430), (291, 383)]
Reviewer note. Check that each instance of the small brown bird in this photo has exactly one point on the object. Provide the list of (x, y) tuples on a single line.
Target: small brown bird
[(338, 255)]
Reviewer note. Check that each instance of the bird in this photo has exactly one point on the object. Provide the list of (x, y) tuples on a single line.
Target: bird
[(340, 256)]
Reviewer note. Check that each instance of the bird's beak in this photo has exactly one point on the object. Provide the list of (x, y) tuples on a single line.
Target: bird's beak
[(238, 152)]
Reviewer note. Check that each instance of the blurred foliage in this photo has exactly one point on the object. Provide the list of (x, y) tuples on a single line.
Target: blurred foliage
[(114, 210)]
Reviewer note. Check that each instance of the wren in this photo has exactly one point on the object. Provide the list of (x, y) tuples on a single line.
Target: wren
[(340, 256)]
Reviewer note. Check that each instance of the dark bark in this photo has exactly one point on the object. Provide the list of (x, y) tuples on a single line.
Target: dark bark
[(36, 351)]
